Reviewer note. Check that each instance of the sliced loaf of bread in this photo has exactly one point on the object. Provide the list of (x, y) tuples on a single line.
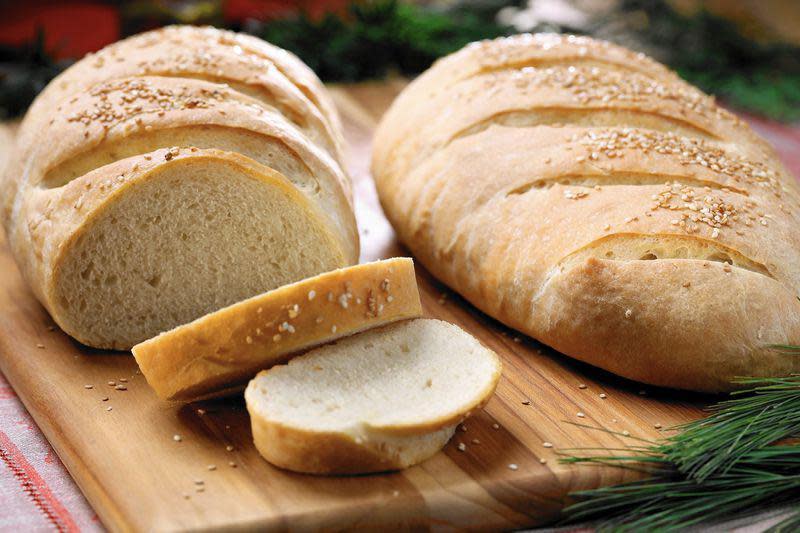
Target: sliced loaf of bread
[(219, 352), (381, 400)]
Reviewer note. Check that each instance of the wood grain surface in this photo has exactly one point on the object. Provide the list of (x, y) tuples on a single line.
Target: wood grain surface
[(148, 465)]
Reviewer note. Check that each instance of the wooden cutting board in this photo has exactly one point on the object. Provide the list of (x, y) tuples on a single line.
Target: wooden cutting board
[(149, 465)]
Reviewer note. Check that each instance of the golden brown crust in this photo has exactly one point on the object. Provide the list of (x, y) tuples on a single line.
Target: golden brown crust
[(332, 453), (232, 344), (504, 212), (197, 54), (182, 52)]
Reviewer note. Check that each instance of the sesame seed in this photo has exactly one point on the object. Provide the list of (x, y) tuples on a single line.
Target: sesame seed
[(199, 482), (211, 468), (201, 412), (231, 464), (177, 438), (513, 466), (333, 328), (312, 294), (603, 395), (276, 337), (582, 386), (104, 399), (229, 448), (248, 339), (123, 380), (112, 383), (657, 426), (389, 299), (121, 387), (462, 447), (495, 426), (543, 460), (40, 346), (626, 433), (294, 311), (547, 444), (580, 414), (628, 313), (109, 408), (88, 386), (476, 441)]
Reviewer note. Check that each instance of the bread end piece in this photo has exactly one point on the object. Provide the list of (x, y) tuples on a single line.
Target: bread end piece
[(219, 352)]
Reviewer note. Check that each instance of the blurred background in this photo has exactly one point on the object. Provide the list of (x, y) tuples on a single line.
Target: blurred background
[(747, 52)]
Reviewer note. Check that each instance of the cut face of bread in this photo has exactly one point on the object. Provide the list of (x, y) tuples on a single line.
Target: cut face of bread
[(380, 400), (114, 221), (177, 241), (219, 351)]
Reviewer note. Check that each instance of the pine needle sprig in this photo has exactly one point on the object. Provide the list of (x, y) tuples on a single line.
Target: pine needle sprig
[(751, 419), (722, 466), (671, 501)]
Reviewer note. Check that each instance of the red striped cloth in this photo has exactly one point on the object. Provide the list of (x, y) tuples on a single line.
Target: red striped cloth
[(36, 491)]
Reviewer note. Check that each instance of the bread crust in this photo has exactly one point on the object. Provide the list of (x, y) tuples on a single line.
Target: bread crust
[(547, 226), (180, 52), (229, 346), (330, 453)]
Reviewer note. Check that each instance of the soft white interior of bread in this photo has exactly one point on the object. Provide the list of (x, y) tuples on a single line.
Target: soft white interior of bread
[(191, 239), (402, 375)]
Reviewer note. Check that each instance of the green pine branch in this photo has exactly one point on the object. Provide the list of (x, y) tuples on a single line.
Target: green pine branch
[(722, 466)]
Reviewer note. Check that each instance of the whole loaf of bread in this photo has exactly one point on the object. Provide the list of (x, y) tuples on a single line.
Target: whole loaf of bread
[(172, 174), (586, 196)]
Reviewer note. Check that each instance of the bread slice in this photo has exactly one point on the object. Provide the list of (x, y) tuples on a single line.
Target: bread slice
[(222, 350), (382, 400)]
